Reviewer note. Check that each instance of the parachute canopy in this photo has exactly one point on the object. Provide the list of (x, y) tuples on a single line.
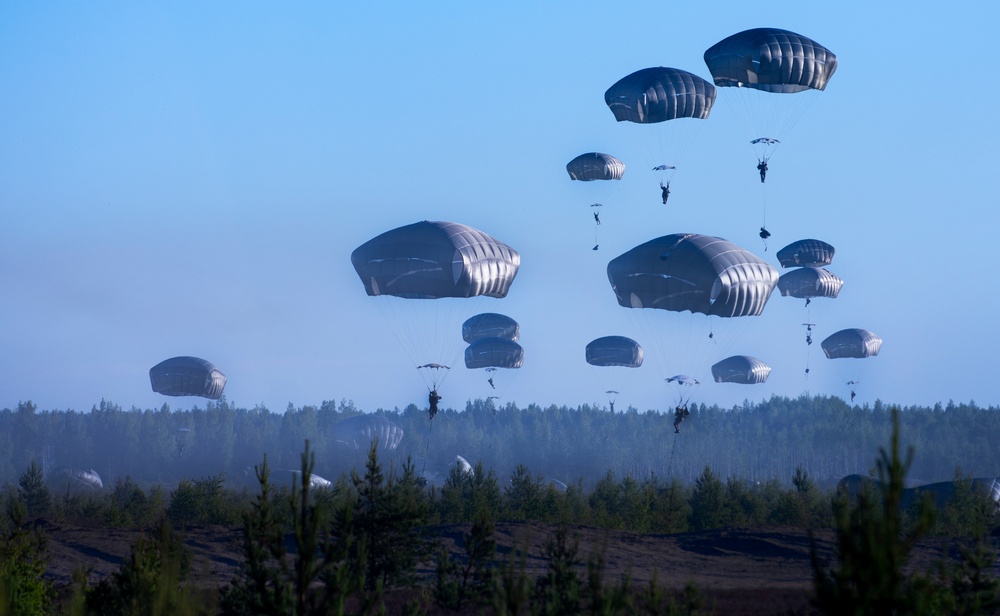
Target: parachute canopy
[(699, 273), (808, 282), (187, 376), (659, 94), (494, 353), (806, 253), (682, 379), (772, 60), (614, 351), (595, 166), (490, 325), (741, 369), (429, 260), (852, 343), (359, 432)]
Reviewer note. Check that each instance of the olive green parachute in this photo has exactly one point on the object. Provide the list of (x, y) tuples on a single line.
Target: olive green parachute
[(490, 325), (852, 343), (494, 353), (430, 260), (659, 94), (772, 60), (806, 253), (595, 166), (187, 376), (699, 273), (741, 369), (809, 282), (614, 351), (360, 431)]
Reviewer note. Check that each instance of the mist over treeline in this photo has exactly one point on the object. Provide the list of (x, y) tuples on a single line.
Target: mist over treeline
[(755, 441)]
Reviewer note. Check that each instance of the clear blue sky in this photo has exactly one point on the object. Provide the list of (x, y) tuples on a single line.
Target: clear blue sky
[(190, 178)]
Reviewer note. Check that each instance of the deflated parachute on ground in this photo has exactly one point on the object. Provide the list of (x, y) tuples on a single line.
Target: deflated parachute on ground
[(806, 253), (772, 60), (852, 343), (490, 325), (430, 260), (595, 166), (359, 432), (809, 282), (614, 351), (187, 376), (699, 273), (494, 353), (741, 369), (659, 94)]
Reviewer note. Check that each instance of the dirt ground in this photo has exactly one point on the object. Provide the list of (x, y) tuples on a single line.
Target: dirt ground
[(759, 571)]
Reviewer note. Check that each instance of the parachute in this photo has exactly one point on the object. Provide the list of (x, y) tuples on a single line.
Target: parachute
[(494, 353), (741, 369), (759, 62), (809, 282), (659, 94), (691, 272), (359, 431), (852, 343), (449, 263), (595, 166), (806, 253), (86, 479), (656, 95), (490, 325), (187, 376), (432, 260), (614, 351)]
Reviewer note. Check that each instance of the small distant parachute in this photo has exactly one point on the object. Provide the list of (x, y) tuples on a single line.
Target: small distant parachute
[(770, 60), (464, 465), (809, 282), (765, 141), (663, 167), (806, 253), (490, 325), (852, 343), (595, 166), (741, 369), (494, 353), (658, 94), (315, 481), (682, 379), (86, 479), (699, 273), (359, 432), (187, 376), (614, 351)]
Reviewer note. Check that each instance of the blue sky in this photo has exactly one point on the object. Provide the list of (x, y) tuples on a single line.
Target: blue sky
[(191, 178)]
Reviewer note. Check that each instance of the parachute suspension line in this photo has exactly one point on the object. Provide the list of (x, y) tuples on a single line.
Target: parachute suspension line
[(670, 465), (427, 445)]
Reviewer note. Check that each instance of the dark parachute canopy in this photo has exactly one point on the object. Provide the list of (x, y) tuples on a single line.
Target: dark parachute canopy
[(806, 253), (659, 94), (490, 325), (699, 273), (852, 343), (614, 351), (772, 60), (809, 282), (187, 376), (741, 369), (359, 432), (595, 166), (494, 353), (430, 260)]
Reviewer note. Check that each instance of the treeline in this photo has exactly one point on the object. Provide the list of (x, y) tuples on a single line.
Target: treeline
[(346, 548), (756, 441)]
